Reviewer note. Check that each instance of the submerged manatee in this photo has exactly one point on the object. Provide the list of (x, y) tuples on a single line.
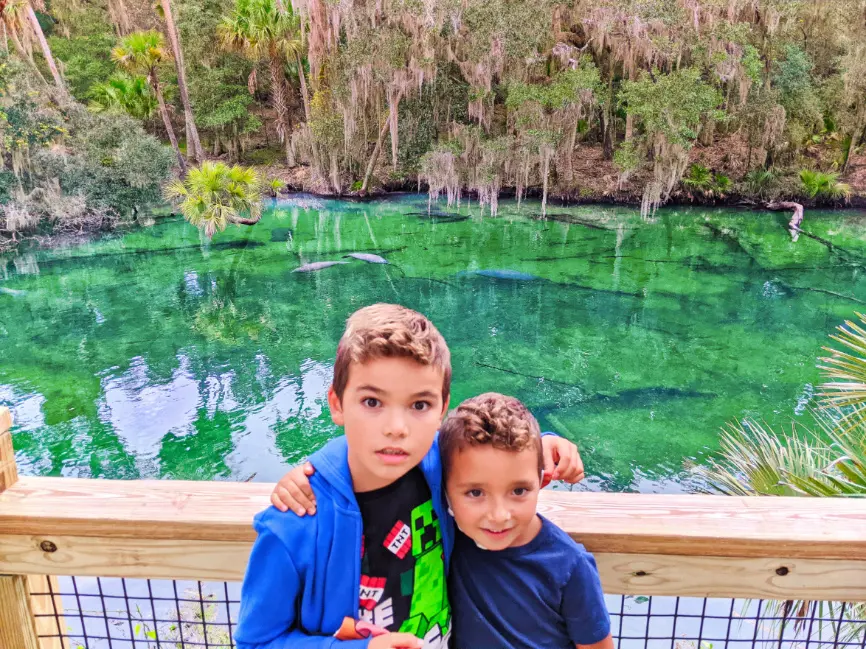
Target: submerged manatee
[(282, 234), (317, 265), (370, 258), (13, 292), (502, 273)]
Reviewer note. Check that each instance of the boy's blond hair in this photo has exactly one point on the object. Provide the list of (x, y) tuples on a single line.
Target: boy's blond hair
[(388, 331), (490, 419)]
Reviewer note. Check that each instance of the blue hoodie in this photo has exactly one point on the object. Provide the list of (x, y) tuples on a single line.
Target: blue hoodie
[(304, 573)]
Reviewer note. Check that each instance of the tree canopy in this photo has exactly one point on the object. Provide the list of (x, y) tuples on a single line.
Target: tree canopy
[(471, 96)]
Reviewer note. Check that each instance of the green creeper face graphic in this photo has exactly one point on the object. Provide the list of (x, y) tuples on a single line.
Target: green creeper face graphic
[(430, 607), (425, 529)]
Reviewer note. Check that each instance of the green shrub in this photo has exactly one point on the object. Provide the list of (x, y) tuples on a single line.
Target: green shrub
[(820, 185), (275, 186), (627, 157), (759, 182), (699, 178), (702, 180), (110, 161)]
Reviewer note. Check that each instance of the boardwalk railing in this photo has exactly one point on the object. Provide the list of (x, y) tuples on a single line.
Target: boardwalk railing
[(678, 546)]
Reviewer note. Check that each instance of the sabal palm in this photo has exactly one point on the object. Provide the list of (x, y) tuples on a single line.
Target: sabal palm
[(214, 195), (17, 17), (828, 461), (142, 53), (259, 30), (817, 184), (123, 92)]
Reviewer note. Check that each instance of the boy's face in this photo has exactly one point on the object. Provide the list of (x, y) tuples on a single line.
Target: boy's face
[(493, 495), (390, 410)]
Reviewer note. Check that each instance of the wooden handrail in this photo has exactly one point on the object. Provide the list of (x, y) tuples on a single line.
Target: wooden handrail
[(688, 525), (779, 548)]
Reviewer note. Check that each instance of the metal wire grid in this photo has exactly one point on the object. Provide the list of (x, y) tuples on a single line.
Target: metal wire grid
[(109, 613)]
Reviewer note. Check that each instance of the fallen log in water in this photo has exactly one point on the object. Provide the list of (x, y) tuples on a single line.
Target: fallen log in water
[(796, 217)]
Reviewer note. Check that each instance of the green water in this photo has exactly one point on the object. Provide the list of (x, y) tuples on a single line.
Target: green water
[(154, 354)]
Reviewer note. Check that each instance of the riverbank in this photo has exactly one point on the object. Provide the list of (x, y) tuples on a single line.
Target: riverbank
[(597, 180)]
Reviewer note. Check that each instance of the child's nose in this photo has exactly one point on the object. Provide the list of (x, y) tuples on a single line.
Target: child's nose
[(397, 425), (500, 513)]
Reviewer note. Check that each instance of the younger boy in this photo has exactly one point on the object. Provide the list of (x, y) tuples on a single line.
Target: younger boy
[(378, 547), (517, 581)]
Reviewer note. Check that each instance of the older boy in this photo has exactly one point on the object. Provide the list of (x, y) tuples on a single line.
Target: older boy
[(380, 543)]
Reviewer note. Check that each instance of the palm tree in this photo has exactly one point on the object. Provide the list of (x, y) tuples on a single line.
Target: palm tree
[(141, 53), (259, 30), (214, 195), (828, 461), (18, 13), (132, 95), (193, 141)]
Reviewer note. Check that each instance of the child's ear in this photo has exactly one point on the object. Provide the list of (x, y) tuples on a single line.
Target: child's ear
[(445, 407), (336, 406)]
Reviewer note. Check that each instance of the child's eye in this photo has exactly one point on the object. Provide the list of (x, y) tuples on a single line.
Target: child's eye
[(521, 491), (474, 493), (421, 406), (371, 402)]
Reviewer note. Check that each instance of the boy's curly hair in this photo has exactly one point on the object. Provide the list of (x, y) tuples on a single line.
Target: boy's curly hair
[(388, 331), (489, 419)]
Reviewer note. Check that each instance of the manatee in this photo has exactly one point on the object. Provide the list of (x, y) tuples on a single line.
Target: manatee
[(317, 265), (504, 273), (282, 234), (13, 292), (370, 258)]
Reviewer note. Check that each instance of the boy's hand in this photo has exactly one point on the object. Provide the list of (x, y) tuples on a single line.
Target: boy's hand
[(395, 641), (293, 491), (561, 460)]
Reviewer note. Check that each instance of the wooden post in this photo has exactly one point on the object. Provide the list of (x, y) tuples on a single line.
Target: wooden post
[(17, 624), (20, 627), (8, 470)]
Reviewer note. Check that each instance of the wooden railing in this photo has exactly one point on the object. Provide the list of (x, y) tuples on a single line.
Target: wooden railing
[(691, 545)]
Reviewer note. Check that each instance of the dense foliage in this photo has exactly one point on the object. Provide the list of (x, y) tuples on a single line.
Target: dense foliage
[(479, 95), (67, 168)]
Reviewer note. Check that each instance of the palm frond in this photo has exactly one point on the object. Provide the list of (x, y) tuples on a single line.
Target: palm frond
[(214, 195), (845, 391), (753, 460)]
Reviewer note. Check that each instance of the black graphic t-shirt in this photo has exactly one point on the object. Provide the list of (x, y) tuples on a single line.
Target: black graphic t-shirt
[(402, 563)]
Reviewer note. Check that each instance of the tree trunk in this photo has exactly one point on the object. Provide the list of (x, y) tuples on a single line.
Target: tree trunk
[(193, 144), (853, 143), (393, 104), (569, 160), (371, 164), (46, 51), (166, 120), (247, 221), (608, 118), (24, 54), (796, 217), (708, 132), (305, 94), (278, 89)]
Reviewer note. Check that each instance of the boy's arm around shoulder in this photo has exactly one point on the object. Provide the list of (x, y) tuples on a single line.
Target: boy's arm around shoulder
[(272, 588)]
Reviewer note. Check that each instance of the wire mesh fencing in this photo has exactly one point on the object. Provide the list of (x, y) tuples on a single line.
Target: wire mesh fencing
[(110, 613)]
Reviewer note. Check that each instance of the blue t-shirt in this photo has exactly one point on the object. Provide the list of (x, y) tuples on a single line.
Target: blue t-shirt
[(545, 594)]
